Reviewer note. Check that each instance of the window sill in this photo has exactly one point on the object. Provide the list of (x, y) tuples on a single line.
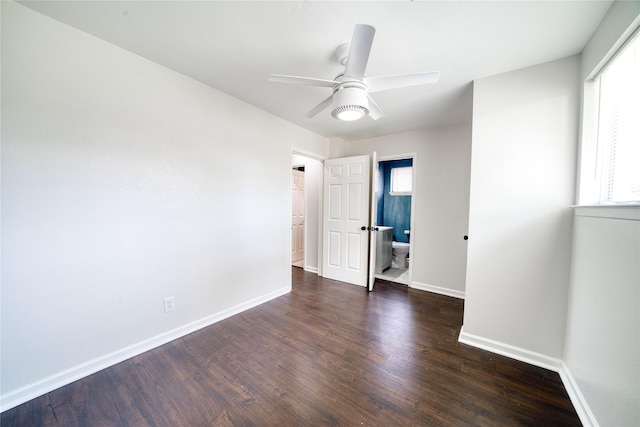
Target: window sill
[(626, 211), (399, 193)]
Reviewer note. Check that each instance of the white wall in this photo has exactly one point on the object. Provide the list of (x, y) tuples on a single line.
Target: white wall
[(313, 210), (602, 345), (122, 183), (603, 329), (441, 198), (525, 127)]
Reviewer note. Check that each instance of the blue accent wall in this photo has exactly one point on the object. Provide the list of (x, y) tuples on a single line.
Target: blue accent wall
[(393, 211)]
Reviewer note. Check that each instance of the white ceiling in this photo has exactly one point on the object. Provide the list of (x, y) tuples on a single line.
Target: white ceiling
[(234, 45)]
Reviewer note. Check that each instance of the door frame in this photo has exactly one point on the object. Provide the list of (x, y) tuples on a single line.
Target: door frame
[(373, 216), (414, 173), (295, 166), (311, 156), (380, 158)]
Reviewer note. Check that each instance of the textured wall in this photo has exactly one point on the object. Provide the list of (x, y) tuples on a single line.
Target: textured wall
[(394, 211)]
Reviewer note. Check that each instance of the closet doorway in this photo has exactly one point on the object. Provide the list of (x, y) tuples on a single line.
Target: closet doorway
[(297, 216), (306, 204)]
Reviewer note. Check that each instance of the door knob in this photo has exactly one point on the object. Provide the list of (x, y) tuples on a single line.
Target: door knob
[(363, 228)]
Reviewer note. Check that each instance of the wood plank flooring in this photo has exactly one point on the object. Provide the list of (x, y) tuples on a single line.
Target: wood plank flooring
[(327, 354)]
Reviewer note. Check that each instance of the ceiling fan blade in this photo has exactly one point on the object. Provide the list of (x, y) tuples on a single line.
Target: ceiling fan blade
[(324, 104), (378, 84), (301, 80), (374, 110), (359, 51)]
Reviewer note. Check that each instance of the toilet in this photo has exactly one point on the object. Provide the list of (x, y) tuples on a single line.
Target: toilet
[(401, 254)]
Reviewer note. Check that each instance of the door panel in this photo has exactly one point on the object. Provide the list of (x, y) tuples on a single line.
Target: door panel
[(297, 215), (334, 249), (335, 202), (354, 246), (346, 211), (355, 204)]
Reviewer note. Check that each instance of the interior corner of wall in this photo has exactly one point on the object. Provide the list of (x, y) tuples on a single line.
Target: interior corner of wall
[(337, 147)]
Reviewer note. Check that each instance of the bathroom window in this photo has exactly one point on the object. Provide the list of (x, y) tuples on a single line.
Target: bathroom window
[(401, 180)]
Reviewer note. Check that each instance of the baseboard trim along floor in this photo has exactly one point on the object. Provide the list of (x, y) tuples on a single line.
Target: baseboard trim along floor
[(438, 290), (553, 364), (68, 376)]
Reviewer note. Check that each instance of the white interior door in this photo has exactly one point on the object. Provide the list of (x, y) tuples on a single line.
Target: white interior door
[(297, 216), (373, 221), (346, 219)]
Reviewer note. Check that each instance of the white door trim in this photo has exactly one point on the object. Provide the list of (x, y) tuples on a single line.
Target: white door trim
[(321, 159), (414, 157)]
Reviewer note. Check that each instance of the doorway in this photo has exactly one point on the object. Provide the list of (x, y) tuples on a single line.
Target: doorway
[(297, 216), (395, 180), (305, 241), (351, 227)]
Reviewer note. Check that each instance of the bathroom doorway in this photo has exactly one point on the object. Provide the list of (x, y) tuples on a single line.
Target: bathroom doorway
[(395, 181)]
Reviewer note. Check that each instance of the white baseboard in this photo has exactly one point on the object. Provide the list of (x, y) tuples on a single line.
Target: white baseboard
[(537, 359), (311, 269), (438, 290), (521, 354), (46, 385), (577, 398)]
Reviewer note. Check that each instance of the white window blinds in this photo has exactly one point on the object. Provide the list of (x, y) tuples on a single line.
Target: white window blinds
[(401, 179), (618, 151)]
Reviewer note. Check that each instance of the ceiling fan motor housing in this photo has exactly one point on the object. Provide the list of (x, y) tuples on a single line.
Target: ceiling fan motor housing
[(350, 101)]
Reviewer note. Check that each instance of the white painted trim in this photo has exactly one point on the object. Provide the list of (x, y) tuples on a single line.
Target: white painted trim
[(46, 385), (438, 290), (553, 364), (414, 165), (305, 153), (577, 398), (311, 156), (399, 156), (508, 350), (628, 212)]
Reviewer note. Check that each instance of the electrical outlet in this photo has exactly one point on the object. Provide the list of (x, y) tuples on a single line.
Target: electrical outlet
[(168, 304)]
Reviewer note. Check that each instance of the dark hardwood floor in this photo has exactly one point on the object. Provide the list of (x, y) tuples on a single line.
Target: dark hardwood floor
[(326, 354)]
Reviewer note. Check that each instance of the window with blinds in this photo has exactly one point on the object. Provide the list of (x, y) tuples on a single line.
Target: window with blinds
[(615, 99), (401, 180)]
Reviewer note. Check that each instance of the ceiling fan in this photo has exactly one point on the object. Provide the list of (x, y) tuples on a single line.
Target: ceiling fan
[(350, 99)]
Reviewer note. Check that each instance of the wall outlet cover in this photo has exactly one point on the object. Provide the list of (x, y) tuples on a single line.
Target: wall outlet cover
[(168, 304)]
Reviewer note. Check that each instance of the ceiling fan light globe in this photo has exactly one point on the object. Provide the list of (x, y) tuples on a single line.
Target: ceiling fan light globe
[(349, 114), (350, 103)]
